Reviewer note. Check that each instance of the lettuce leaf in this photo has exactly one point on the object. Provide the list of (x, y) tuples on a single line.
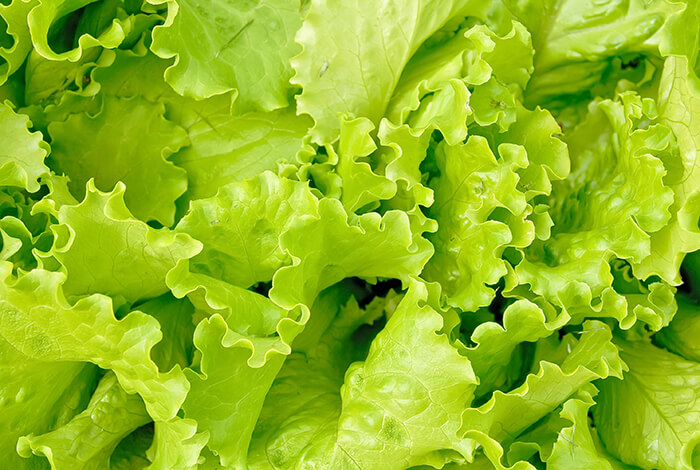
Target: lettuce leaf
[(314, 234)]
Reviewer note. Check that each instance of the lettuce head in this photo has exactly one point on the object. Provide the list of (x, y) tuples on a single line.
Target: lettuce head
[(349, 235)]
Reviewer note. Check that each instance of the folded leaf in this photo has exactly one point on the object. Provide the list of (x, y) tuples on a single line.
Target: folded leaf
[(127, 141), (127, 257), (397, 409), (226, 149), (326, 249), (221, 47), (22, 159), (679, 109), (176, 445), (353, 54), (29, 406), (38, 321), (240, 227), (593, 357), (88, 440), (15, 50), (680, 336), (471, 184), (651, 418), (47, 14)]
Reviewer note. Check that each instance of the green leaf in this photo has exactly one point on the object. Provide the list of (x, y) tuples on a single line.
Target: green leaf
[(471, 184), (651, 418), (691, 269), (342, 71), (397, 409), (14, 52), (38, 321), (104, 249), (576, 41), (360, 184), (240, 227), (17, 244), (473, 55), (55, 90), (128, 141), (22, 160), (614, 199), (177, 325), (680, 336), (89, 438), (326, 249), (47, 15), (243, 344), (567, 438), (679, 109), (226, 149), (496, 351), (577, 446), (130, 454), (176, 445), (592, 357), (303, 405), (226, 398), (220, 47), (29, 406)]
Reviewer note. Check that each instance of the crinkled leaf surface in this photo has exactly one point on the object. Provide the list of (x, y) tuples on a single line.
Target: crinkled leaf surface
[(657, 427), (127, 141), (219, 46), (324, 234), (128, 258)]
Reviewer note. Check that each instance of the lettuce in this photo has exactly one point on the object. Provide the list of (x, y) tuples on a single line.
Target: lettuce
[(313, 234)]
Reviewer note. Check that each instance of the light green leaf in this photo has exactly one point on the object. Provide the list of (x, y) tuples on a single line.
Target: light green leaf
[(226, 398), (29, 406), (139, 72), (621, 165), (128, 141), (360, 184), (473, 55), (651, 418), (219, 47), (38, 321), (496, 353), (567, 438), (576, 41), (87, 441), (577, 446), (17, 244), (13, 53), (303, 405), (228, 148), (177, 325), (104, 249), (679, 109), (398, 410), (176, 445), (48, 15), (326, 249), (240, 227), (681, 335), (243, 344), (471, 184), (592, 357), (353, 55), (23, 154), (493, 103)]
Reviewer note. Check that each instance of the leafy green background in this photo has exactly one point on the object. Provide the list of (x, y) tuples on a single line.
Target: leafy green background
[(314, 234)]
